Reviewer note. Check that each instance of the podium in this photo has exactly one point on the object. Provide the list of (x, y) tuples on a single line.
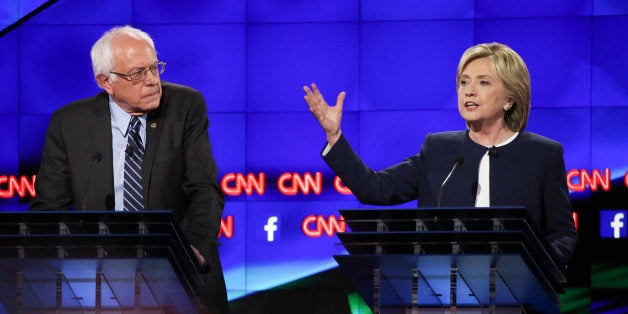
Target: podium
[(450, 260), (99, 262)]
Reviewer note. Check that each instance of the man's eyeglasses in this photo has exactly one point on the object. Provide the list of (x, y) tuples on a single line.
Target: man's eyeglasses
[(139, 75)]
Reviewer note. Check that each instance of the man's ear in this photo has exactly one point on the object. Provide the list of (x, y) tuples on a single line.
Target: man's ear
[(105, 82)]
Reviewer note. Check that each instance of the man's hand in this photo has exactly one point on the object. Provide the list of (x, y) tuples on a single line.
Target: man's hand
[(201, 260)]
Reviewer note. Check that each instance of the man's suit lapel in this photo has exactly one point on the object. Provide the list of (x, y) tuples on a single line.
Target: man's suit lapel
[(101, 180), (154, 125)]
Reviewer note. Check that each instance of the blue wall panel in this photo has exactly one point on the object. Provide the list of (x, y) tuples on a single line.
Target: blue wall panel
[(404, 64), (569, 126), (85, 12), (58, 54), (9, 144), (207, 57), (609, 62), (401, 10), (532, 8), (609, 135), (388, 137), (227, 133), (557, 52), (277, 11), (32, 130), (188, 12), (233, 248), (281, 58), (9, 75)]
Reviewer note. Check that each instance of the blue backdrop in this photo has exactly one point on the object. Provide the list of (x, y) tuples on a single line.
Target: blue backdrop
[(395, 59)]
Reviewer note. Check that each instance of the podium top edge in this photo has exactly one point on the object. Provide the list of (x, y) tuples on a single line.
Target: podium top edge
[(422, 212), (85, 216)]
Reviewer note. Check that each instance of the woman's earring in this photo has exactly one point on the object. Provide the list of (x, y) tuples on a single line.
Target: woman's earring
[(506, 107)]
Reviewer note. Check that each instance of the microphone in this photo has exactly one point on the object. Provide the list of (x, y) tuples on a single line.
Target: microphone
[(110, 202), (492, 152), (129, 151), (96, 158), (459, 160)]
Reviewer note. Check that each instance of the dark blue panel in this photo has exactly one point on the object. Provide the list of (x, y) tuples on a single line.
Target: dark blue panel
[(233, 249), (531, 8), (209, 58), (609, 63), (411, 65), (609, 135), (279, 143), (377, 10), (9, 74), (388, 137), (273, 11), (58, 54), (80, 12), (557, 52), (32, 135), (610, 7), (283, 58), (188, 12), (9, 143), (569, 126), (227, 135), (12, 205), (306, 255)]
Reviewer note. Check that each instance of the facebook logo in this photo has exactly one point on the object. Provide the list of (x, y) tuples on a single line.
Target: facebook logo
[(270, 227), (613, 223)]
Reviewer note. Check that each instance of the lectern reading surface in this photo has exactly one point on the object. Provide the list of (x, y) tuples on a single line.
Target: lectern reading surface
[(96, 261), (481, 259)]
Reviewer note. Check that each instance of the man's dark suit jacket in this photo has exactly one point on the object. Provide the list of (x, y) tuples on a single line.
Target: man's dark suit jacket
[(529, 171), (179, 171)]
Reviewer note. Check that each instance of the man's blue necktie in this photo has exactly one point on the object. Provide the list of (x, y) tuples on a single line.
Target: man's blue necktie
[(133, 196)]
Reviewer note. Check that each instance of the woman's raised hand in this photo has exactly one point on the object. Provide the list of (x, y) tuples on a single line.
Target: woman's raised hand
[(329, 117)]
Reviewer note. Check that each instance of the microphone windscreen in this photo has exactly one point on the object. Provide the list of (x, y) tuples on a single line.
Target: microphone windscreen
[(459, 160), (96, 157), (110, 202)]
